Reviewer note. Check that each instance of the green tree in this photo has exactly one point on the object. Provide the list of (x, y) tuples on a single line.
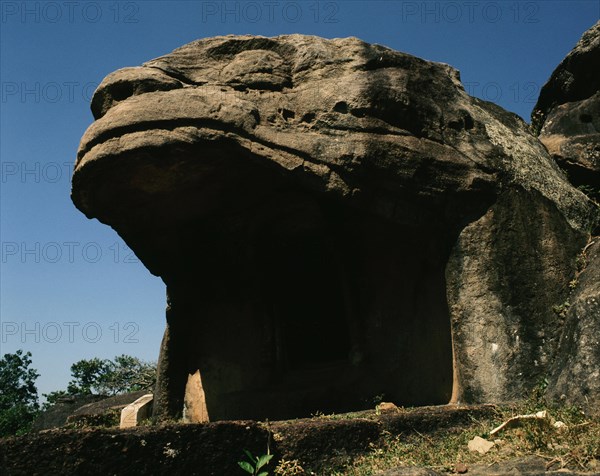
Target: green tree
[(106, 377), (87, 376), (18, 393), (54, 397), (128, 374)]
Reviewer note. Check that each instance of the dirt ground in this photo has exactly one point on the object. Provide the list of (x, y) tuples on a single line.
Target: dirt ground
[(320, 443)]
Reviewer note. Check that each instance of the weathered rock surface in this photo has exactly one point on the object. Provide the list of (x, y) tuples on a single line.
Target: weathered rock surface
[(526, 466), (85, 410), (101, 407), (575, 376), (136, 412), (58, 414), (334, 221), (567, 113), (480, 445), (409, 471)]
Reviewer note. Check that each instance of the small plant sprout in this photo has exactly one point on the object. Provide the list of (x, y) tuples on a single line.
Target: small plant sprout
[(256, 463)]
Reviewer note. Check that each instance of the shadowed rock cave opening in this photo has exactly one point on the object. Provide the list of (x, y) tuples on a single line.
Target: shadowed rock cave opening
[(285, 302)]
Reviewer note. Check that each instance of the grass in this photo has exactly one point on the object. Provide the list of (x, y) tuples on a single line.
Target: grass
[(576, 446)]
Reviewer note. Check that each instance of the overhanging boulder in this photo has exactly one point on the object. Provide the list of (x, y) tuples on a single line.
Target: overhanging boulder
[(334, 221)]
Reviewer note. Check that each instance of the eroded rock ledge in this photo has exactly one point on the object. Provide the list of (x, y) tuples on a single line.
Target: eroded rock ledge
[(567, 114), (334, 221)]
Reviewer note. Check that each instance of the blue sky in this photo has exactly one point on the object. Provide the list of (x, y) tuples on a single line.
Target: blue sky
[(69, 287)]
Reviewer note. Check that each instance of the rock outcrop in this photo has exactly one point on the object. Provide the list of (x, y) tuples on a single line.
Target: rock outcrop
[(58, 414), (575, 374), (567, 114), (334, 221), (85, 411)]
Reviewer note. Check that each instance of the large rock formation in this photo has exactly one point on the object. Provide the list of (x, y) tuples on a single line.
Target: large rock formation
[(334, 221), (575, 373), (567, 114)]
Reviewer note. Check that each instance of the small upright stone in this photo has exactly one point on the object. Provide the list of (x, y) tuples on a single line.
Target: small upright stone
[(194, 405)]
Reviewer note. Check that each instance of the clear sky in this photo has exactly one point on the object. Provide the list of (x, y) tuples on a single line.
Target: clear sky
[(70, 288)]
